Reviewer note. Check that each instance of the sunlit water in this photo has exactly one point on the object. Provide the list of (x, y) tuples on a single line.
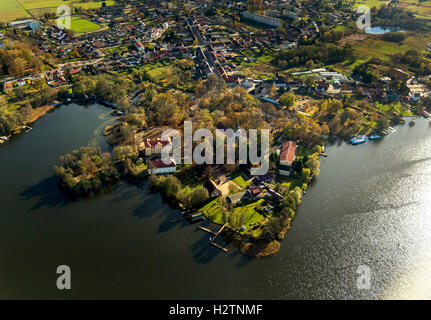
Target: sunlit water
[(370, 206)]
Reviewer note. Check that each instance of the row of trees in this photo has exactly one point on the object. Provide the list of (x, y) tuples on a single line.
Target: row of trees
[(173, 189), (319, 55)]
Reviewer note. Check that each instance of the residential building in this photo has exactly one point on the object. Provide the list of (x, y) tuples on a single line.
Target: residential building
[(153, 147), (213, 191), (287, 156), (162, 166)]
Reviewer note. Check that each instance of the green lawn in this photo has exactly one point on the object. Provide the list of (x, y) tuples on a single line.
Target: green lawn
[(79, 25), (246, 215), (238, 178)]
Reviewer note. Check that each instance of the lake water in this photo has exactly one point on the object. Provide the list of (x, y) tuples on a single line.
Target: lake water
[(381, 30), (371, 205)]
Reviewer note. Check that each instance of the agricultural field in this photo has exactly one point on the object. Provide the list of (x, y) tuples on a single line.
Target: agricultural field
[(15, 9), (11, 10), (421, 9), (370, 3)]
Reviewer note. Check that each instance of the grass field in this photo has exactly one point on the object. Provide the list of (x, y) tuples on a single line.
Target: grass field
[(80, 25), (15, 9), (11, 10), (37, 4), (370, 3)]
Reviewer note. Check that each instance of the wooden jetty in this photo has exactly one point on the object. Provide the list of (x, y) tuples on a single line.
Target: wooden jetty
[(216, 234), (193, 217), (207, 230), (218, 246)]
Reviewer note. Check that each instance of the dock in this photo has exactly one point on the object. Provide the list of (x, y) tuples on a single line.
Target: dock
[(218, 246), (207, 230), (216, 234), (27, 129), (193, 217)]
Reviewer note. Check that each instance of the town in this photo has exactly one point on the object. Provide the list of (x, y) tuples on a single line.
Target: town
[(303, 70)]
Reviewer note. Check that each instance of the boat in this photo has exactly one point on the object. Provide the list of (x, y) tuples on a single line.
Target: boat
[(359, 140), (4, 138), (425, 114), (375, 137)]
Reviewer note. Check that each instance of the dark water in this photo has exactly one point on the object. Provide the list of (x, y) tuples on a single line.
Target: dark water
[(370, 206)]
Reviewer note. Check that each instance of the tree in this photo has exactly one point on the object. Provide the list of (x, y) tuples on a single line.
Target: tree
[(287, 100), (17, 67)]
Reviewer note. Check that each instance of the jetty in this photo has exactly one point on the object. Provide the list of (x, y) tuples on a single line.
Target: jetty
[(216, 234), (192, 217), (26, 128), (207, 230)]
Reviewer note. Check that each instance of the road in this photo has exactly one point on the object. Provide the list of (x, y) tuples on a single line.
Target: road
[(203, 44)]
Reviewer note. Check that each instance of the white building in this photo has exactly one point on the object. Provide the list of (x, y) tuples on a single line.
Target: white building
[(162, 166)]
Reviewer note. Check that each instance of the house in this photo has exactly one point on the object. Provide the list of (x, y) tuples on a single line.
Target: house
[(268, 177), (399, 74), (151, 147), (275, 195), (7, 85), (236, 197), (287, 157), (255, 192), (162, 166), (139, 46), (213, 191)]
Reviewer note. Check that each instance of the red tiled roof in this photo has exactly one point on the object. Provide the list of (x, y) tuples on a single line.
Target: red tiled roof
[(75, 71), (255, 191), (153, 143), (288, 151)]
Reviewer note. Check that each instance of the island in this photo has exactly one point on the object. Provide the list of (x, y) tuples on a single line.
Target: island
[(305, 72)]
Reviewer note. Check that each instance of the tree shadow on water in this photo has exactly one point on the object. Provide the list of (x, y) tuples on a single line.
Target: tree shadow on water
[(47, 194)]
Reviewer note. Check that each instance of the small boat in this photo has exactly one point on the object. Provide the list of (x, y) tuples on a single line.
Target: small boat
[(359, 140), (4, 138), (425, 114), (375, 137)]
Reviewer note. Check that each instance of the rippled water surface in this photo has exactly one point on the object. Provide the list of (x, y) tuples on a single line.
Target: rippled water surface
[(371, 205)]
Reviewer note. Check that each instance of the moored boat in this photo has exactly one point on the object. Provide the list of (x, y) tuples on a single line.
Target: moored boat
[(359, 139), (425, 114), (375, 137)]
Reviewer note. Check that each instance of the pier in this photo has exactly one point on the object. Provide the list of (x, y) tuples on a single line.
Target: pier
[(207, 230), (216, 234)]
